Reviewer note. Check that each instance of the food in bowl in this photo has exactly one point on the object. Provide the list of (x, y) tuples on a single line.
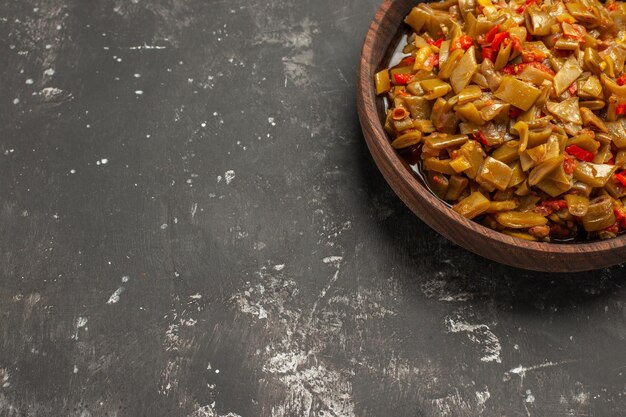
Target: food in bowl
[(514, 113)]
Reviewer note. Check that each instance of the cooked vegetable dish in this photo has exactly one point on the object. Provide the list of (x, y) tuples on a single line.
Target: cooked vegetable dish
[(514, 112)]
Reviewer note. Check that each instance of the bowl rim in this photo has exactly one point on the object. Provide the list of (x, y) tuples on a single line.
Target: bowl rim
[(366, 98)]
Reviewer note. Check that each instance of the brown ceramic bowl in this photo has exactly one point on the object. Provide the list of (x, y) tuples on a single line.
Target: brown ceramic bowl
[(381, 39)]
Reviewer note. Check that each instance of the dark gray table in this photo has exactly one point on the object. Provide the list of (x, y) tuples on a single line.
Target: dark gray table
[(191, 225)]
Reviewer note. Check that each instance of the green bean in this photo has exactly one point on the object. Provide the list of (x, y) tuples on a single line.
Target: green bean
[(473, 205), (520, 220), (599, 215), (463, 72), (517, 93)]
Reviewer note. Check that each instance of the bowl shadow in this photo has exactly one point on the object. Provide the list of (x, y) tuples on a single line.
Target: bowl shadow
[(430, 254)]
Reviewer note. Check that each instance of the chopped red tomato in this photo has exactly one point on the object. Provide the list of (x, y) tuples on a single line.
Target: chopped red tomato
[(438, 180), (568, 165), (509, 69), (462, 42), (409, 60), (613, 229), (554, 204), (402, 79), (621, 80), (516, 69), (491, 34), (620, 216), (572, 88), (517, 44), (620, 109), (514, 112), (611, 161), (621, 177), (535, 64), (436, 43), (433, 60), (532, 56), (480, 136), (612, 6), (580, 153), (489, 53), (498, 39)]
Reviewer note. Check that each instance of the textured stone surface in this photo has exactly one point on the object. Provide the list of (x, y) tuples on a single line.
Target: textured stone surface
[(191, 225)]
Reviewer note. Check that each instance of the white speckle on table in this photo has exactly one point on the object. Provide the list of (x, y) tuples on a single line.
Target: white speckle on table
[(335, 260), (75, 369), (480, 334), (442, 289), (279, 267), (296, 36), (452, 404), (528, 400), (125, 278), (29, 81), (521, 370), (248, 307), (16, 101), (137, 75), (581, 398), (102, 161), (148, 47), (49, 72), (169, 381), (4, 378), (482, 397), (229, 176), (138, 92), (164, 226), (54, 93), (271, 121), (80, 323), (115, 297), (209, 411), (296, 68), (194, 209), (312, 382), (304, 374)]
